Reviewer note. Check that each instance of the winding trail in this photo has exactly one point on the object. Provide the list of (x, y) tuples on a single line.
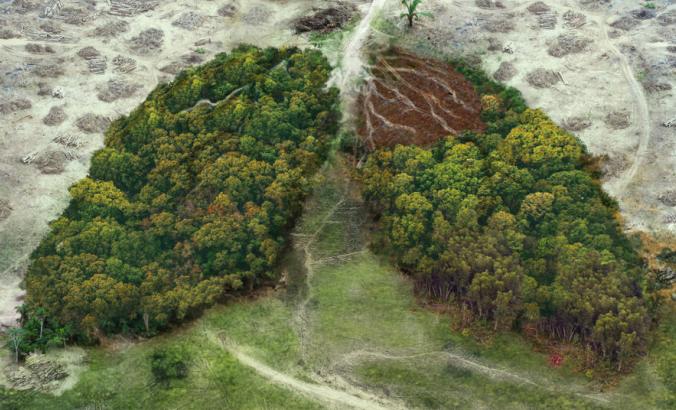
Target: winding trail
[(319, 392), (352, 65), (343, 393), (333, 384), (640, 108), (466, 363)]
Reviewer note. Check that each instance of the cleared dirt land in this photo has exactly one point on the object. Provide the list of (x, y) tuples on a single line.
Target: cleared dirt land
[(411, 100), (604, 69)]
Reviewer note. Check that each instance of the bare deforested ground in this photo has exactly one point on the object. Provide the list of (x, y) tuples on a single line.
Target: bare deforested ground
[(412, 100)]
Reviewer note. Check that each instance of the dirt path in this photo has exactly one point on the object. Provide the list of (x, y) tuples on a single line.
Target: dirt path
[(319, 392), (466, 363), (640, 108), (302, 318)]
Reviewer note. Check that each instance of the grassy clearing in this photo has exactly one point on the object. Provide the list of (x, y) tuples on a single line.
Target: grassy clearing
[(652, 384), (122, 379), (362, 310), (364, 306)]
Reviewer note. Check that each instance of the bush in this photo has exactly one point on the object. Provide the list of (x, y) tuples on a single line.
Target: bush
[(169, 364)]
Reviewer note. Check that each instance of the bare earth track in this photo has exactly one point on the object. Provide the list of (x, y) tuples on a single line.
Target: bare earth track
[(640, 109), (323, 393)]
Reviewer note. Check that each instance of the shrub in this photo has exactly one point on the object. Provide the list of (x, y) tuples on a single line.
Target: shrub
[(169, 364)]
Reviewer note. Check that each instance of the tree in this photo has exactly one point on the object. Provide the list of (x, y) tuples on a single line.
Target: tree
[(412, 12), (513, 225), (41, 314), (15, 338)]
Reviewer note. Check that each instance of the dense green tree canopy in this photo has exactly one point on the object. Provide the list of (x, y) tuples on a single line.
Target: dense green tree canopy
[(188, 201), (513, 225)]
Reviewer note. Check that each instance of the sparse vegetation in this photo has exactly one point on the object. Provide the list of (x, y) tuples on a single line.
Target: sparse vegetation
[(412, 13)]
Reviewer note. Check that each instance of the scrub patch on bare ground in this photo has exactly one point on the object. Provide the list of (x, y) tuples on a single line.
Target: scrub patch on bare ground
[(111, 29), (51, 161), (130, 8), (618, 120), (18, 104), (577, 123), (500, 25), (505, 72), (116, 89), (326, 20), (668, 198), (568, 44), (147, 42), (413, 100), (539, 8), (228, 9), (543, 78), (39, 48), (189, 21), (49, 70), (574, 19), (489, 4), (123, 64), (55, 116), (51, 27), (92, 123), (88, 53)]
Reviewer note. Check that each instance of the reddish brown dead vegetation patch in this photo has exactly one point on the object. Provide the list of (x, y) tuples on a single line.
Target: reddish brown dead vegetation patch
[(413, 100)]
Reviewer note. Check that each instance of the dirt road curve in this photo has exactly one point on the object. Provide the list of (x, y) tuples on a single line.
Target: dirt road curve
[(320, 392), (332, 397), (640, 108)]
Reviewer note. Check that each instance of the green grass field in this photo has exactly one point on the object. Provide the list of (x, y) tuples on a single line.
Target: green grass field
[(122, 379)]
